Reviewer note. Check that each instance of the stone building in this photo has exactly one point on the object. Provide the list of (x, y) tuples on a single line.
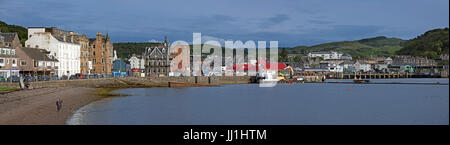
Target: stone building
[(36, 62), (61, 44), (9, 43), (85, 62), (413, 61), (101, 54), (157, 59)]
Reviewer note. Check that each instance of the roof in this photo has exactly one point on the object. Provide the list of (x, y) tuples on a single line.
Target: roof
[(68, 40), (37, 54), (8, 37), (325, 52), (104, 38)]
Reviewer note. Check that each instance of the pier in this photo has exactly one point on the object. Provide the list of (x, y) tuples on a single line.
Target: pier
[(371, 75)]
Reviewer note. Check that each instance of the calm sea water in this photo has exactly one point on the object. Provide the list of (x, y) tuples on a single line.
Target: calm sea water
[(286, 104)]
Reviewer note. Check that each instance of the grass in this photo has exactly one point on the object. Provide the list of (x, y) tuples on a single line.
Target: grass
[(105, 92), (7, 88)]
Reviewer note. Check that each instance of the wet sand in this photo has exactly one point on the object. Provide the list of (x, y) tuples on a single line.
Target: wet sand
[(38, 106)]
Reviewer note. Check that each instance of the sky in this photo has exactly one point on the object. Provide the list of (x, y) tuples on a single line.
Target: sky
[(290, 22)]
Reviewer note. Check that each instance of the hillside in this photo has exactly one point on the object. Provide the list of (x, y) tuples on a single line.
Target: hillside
[(378, 46), (124, 50), (21, 31), (431, 44)]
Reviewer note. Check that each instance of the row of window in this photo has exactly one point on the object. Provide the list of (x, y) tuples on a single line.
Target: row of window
[(7, 51), (13, 62), (158, 70), (157, 63)]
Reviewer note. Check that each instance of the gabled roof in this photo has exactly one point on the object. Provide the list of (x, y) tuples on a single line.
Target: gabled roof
[(156, 49), (37, 54), (8, 37)]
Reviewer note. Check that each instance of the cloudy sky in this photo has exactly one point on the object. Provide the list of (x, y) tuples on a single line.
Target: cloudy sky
[(291, 22)]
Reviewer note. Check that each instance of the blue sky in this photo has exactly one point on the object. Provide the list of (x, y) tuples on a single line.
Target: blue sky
[(291, 22)]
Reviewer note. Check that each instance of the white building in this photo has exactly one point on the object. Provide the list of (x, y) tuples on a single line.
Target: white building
[(137, 62), (61, 44), (326, 55), (364, 67), (332, 66)]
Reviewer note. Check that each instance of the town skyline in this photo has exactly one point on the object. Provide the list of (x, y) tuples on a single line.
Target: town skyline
[(293, 23)]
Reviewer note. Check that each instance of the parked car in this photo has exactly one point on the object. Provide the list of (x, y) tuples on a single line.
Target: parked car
[(30, 78), (73, 77), (79, 76), (14, 79), (63, 77), (43, 78)]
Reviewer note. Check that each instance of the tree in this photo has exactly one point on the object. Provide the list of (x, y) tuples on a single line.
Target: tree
[(297, 58), (283, 54)]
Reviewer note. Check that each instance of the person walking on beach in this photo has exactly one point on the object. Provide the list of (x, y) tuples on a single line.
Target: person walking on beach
[(58, 104)]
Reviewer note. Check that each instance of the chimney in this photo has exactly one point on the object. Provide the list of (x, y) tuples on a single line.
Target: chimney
[(71, 37), (99, 35)]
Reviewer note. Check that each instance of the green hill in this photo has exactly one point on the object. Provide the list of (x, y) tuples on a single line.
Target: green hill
[(125, 50), (431, 44), (21, 31), (378, 46)]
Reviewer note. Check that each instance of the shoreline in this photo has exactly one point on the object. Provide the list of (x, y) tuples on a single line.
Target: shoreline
[(38, 106)]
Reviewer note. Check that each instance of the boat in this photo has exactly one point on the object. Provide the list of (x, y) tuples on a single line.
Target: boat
[(360, 81), (269, 80)]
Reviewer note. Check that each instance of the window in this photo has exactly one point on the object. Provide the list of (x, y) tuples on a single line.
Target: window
[(23, 63), (2, 60)]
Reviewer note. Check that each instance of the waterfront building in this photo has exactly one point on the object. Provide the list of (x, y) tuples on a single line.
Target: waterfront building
[(413, 61), (9, 43), (85, 59), (381, 68), (348, 66), (333, 65), (36, 62), (157, 59), (363, 66), (101, 54), (388, 60), (62, 46), (120, 68), (326, 55), (137, 64)]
